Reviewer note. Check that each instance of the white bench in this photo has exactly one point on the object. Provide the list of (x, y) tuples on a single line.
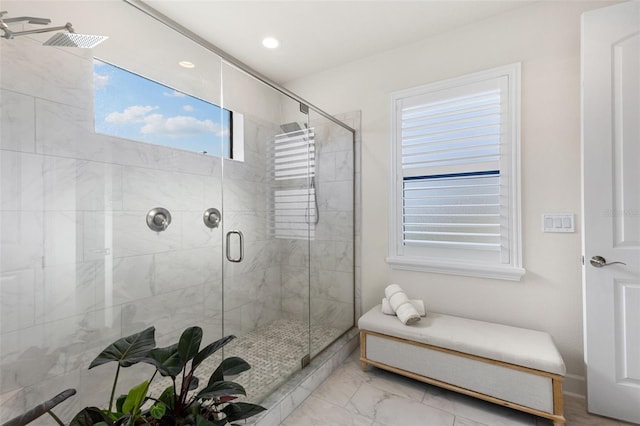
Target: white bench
[(514, 367)]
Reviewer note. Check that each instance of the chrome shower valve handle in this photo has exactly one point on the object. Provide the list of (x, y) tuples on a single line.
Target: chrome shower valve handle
[(158, 219)]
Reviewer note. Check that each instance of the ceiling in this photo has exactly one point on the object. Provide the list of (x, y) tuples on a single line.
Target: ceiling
[(319, 35)]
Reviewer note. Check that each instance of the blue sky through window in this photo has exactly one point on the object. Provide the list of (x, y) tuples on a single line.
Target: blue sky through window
[(130, 106)]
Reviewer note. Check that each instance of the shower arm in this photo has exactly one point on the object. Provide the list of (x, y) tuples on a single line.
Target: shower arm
[(8, 34)]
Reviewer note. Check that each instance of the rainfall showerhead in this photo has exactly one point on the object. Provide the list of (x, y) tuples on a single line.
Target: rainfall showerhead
[(85, 41), (68, 39)]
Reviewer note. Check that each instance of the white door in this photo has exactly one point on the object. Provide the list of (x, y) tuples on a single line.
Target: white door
[(611, 208)]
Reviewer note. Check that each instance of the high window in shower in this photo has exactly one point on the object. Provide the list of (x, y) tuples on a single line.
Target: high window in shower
[(130, 106)]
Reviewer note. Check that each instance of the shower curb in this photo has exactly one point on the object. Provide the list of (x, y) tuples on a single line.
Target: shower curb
[(293, 392)]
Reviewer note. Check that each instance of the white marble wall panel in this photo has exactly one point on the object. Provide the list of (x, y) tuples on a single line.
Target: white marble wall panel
[(144, 189), (132, 237), (335, 196), (238, 196), (195, 234), (65, 290), (63, 242), (168, 312), (66, 131), (58, 76), (184, 268), (261, 286), (335, 225), (21, 182), (21, 235), (59, 183), (254, 225), (17, 303), (17, 118), (99, 186), (131, 280), (332, 286)]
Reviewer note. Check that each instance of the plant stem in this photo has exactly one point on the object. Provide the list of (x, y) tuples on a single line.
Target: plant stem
[(56, 418), (113, 389)]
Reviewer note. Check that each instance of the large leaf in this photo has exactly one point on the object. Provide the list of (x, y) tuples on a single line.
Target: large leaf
[(241, 410), (127, 350), (90, 416), (135, 398), (189, 343), (229, 367), (166, 360), (219, 389), (209, 350)]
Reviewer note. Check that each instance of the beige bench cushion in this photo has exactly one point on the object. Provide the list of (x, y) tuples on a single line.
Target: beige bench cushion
[(520, 346)]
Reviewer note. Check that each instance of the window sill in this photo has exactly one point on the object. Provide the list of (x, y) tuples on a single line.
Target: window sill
[(500, 272)]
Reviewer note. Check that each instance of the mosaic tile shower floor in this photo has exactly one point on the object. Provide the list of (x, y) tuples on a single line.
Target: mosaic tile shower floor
[(274, 351)]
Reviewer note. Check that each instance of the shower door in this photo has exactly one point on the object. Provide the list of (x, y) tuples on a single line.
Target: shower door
[(266, 221)]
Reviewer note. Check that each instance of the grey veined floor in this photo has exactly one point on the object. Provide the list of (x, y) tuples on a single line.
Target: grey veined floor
[(379, 398)]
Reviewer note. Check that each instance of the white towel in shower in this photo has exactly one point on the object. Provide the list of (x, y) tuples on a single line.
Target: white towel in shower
[(417, 303), (400, 304)]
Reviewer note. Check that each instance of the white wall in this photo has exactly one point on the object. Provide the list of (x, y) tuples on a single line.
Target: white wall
[(545, 37)]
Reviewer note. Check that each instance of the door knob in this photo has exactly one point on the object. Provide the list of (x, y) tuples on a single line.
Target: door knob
[(599, 262)]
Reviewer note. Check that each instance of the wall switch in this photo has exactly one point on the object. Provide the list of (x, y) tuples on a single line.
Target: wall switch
[(558, 222)]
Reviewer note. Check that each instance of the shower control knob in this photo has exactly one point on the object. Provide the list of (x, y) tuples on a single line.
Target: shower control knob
[(211, 218), (158, 219)]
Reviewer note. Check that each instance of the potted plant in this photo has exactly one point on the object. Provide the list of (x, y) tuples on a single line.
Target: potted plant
[(180, 403)]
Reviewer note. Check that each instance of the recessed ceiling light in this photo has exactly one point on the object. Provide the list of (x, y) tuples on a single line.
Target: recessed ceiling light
[(186, 64), (270, 43)]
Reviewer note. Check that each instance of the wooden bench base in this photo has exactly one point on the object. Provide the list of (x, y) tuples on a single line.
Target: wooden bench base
[(463, 361)]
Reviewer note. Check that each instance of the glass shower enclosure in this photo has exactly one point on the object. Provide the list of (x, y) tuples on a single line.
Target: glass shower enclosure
[(107, 232)]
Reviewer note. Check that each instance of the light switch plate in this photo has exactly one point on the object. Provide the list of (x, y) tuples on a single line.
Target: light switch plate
[(558, 222)]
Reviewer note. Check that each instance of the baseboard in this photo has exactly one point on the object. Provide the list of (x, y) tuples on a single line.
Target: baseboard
[(574, 385)]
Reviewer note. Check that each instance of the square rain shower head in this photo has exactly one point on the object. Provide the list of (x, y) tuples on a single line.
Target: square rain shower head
[(84, 41)]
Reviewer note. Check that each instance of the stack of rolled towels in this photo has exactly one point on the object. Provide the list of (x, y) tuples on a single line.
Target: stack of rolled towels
[(396, 302)]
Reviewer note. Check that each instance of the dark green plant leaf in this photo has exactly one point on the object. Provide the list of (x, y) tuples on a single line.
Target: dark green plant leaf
[(167, 397), (120, 403), (135, 398), (39, 410), (221, 389), (90, 416), (157, 410), (193, 384), (127, 350), (189, 343), (166, 360), (210, 349), (241, 410), (229, 367), (201, 421)]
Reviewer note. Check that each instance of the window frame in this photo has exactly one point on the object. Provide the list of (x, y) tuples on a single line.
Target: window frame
[(466, 262)]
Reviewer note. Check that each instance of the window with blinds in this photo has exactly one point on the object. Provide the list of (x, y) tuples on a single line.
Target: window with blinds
[(454, 156), (293, 169)]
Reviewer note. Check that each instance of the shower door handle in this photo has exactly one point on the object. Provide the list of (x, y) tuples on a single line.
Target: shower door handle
[(241, 237)]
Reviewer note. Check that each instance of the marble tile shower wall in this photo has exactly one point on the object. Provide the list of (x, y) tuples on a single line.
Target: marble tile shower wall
[(331, 290), (79, 268)]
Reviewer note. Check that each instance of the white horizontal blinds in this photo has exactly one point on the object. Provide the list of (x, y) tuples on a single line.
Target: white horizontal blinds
[(450, 161), (293, 166), (461, 211), (294, 155), (295, 213)]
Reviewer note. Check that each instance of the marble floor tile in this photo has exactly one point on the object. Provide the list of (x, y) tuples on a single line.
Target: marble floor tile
[(318, 412), (351, 396)]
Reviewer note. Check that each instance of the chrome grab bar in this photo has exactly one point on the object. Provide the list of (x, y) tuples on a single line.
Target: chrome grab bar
[(229, 258)]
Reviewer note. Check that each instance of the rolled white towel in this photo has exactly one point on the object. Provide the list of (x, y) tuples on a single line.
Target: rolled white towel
[(417, 303), (400, 304)]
